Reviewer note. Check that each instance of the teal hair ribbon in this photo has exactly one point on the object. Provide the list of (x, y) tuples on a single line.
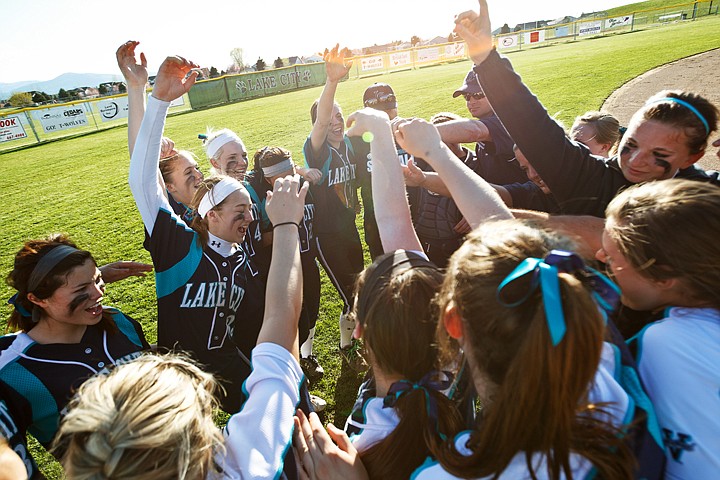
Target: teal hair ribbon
[(545, 276)]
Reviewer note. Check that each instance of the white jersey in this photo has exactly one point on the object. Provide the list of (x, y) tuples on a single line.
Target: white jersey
[(679, 362), (378, 423), (257, 438), (605, 389)]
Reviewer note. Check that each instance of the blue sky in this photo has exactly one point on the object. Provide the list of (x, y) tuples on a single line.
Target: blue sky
[(42, 39)]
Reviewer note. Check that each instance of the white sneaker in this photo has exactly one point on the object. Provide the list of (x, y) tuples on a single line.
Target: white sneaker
[(318, 403)]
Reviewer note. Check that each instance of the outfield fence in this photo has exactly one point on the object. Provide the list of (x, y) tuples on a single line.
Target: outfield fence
[(29, 126)]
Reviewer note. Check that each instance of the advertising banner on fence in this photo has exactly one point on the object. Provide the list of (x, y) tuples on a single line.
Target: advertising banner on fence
[(508, 41), (455, 50), (398, 59), (371, 63), (11, 128), (61, 118), (590, 28), (428, 55), (112, 108), (625, 21), (535, 37)]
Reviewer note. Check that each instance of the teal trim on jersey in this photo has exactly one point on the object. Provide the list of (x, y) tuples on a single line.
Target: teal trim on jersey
[(349, 146), (176, 276), (44, 408), (428, 463), (175, 217), (253, 194), (325, 170), (638, 339), (126, 327), (632, 385), (617, 372)]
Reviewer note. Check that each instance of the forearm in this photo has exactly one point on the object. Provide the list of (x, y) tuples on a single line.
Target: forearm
[(283, 297), (11, 465), (585, 230), (143, 178), (463, 131), (324, 112), (475, 198), (136, 110), (393, 220)]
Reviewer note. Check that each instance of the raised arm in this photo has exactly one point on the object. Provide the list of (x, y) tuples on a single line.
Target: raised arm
[(174, 78), (475, 198), (283, 298), (136, 77), (388, 187), (336, 69)]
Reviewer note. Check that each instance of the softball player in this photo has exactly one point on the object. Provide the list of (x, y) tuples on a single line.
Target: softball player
[(204, 277), (336, 236), (271, 163), (65, 336)]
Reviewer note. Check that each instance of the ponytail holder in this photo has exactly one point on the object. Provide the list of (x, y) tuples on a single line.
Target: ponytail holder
[(545, 275), (15, 302), (437, 381), (686, 105), (202, 137)]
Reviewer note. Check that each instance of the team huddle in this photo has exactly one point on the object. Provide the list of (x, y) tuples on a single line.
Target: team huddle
[(494, 346)]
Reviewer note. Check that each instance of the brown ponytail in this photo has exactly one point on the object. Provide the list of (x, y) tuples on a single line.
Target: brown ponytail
[(539, 402)]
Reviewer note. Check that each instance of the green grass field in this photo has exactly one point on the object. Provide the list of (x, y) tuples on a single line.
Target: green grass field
[(79, 185)]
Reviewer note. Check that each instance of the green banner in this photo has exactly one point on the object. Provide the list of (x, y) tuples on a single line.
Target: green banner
[(256, 84)]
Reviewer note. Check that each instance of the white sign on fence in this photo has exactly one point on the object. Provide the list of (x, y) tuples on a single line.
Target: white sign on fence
[(113, 108), (535, 37), (455, 50), (11, 128), (428, 55), (178, 101), (371, 63), (61, 118), (508, 41), (398, 59), (590, 28), (619, 21)]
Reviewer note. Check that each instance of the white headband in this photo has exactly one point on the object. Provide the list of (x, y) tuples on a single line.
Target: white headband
[(218, 142), (278, 168), (217, 194)]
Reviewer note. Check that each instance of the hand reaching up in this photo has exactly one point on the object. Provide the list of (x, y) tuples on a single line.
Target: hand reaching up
[(286, 203), (474, 28), (175, 77), (335, 64), (135, 74)]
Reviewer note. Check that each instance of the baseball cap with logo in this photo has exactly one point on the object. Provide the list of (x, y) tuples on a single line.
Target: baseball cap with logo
[(470, 85), (380, 96)]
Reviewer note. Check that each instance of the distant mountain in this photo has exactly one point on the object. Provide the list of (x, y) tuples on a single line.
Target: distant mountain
[(66, 81)]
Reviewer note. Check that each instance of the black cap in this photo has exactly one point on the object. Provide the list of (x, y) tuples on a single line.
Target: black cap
[(471, 84), (380, 96)]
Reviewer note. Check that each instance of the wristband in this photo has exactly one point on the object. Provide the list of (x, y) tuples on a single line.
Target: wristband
[(287, 223)]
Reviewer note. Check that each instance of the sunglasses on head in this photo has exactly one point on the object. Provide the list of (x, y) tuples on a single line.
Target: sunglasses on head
[(476, 96), (386, 98)]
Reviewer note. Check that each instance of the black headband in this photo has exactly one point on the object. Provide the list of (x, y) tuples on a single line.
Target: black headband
[(47, 263), (387, 268)]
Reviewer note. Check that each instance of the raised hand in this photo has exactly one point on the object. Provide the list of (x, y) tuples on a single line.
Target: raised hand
[(286, 203), (174, 78), (475, 29), (335, 63), (312, 175), (135, 74), (419, 138)]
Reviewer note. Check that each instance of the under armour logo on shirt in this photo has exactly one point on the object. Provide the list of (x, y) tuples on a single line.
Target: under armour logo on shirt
[(213, 243)]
